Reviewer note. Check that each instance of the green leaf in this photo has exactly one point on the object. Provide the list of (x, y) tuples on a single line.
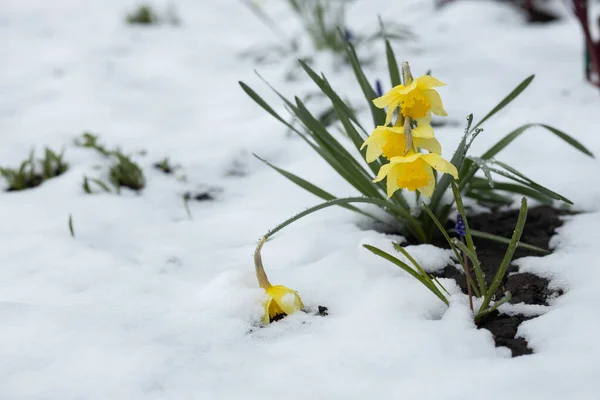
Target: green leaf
[(507, 297), (469, 239), (517, 176), (336, 101), (259, 100), (306, 185), (377, 113), (510, 251), (385, 205), (103, 185), (444, 182), (481, 185), (71, 225), (471, 169), (392, 64), (427, 283), (506, 140), (511, 96), (500, 239)]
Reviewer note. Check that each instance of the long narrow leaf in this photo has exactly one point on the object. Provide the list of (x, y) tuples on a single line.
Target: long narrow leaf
[(329, 92), (482, 185), (469, 239), (428, 284), (386, 205), (317, 191), (377, 113), (392, 64), (509, 138), (510, 251), (500, 239), (451, 244), (511, 96), (507, 297)]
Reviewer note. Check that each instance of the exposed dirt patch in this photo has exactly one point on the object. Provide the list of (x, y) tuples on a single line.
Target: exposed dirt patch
[(525, 287)]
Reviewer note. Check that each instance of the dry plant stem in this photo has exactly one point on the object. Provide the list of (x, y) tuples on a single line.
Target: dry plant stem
[(407, 80), (468, 273), (581, 12), (261, 275), (407, 135)]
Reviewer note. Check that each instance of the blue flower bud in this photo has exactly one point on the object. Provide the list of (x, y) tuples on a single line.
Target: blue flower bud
[(460, 226), (378, 88)]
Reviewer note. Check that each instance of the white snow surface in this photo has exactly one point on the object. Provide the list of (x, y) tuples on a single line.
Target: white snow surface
[(145, 303)]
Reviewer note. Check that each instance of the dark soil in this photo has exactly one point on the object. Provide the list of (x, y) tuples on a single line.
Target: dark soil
[(201, 196), (321, 311), (525, 287)]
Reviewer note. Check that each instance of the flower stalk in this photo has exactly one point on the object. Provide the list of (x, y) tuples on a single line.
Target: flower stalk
[(261, 275)]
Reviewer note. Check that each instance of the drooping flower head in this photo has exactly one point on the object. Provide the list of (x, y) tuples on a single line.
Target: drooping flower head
[(415, 99), (282, 300), (391, 141), (414, 172)]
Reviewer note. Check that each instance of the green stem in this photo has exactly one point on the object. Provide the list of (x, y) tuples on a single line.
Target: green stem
[(386, 205)]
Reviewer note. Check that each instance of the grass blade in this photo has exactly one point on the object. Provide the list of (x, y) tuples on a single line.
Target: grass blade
[(428, 284), (511, 96), (469, 239), (509, 138), (500, 239), (507, 297), (392, 64), (71, 229), (377, 113), (385, 205), (510, 251), (306, 185)]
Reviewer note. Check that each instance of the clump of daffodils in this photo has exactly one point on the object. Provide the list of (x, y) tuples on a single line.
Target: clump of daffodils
[(281, 300), (403, 142)]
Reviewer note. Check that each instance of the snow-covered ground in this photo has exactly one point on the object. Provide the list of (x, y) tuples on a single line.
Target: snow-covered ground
[(145, 303)]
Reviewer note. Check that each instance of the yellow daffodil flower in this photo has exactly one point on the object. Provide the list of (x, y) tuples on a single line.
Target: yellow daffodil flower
[(391, 141), (414, 172), (415, 100), (282, 300)]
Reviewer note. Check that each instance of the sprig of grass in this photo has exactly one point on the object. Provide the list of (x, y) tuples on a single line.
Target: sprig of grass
[(32, 173), (90, 141), (144, 14), (126, 173)]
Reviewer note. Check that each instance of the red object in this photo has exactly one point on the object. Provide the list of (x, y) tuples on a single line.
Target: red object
[(592, 69)]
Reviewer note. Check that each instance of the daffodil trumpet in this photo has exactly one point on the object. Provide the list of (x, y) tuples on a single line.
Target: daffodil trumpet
[(282, 300)]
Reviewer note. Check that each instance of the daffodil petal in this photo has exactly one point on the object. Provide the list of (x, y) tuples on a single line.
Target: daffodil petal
[(375, 142), (425, 120), (389, 115), (428, 82), (392, 181), (386, 99), (430, 144), (405, 159), (267, 314), (428, 189), (383, 171), (423, 131), (284, 299), (436, 102), (437, 162)]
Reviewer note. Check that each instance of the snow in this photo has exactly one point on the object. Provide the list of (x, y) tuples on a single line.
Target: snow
[(145, 303)]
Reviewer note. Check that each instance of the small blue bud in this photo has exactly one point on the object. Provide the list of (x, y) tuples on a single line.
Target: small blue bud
[(460, 226), (348, 36), (378, 88)]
